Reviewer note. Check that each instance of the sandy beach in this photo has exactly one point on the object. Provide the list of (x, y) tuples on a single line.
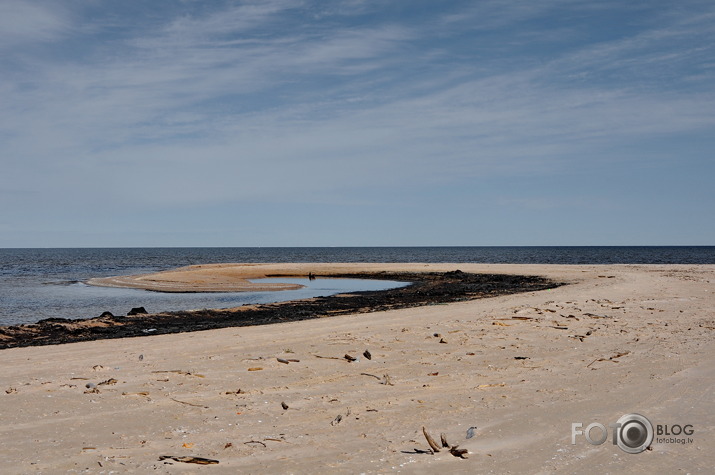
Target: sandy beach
[(518, 370)]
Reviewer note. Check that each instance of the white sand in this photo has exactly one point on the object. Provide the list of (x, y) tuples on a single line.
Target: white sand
[(660, 319)]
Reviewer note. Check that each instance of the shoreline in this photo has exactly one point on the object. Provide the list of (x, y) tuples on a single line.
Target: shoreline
[(426, 288), (516, 371)]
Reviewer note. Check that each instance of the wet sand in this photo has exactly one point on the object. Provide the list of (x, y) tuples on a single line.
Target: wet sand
[(521, 368)]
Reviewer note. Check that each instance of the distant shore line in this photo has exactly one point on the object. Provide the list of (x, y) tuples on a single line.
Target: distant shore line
[(427, 288)]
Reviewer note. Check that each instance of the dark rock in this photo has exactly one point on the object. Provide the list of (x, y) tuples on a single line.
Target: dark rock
[(106, 315), (137, 311)]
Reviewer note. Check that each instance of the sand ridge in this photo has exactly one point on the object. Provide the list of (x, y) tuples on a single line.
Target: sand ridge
[(235, 277), (520, 368)]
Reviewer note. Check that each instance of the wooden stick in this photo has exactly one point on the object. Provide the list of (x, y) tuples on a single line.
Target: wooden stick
[(255, 442), (457, 452), (188, 403), (368, 374), (433, 445)]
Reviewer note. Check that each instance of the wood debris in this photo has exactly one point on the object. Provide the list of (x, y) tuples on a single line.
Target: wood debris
[(189, 403), (255, 442), (457, 452), (188, 459), (238, 391), (453, 449), (178, 371), (143, 393), (371, 375), (613, 358), (328, 357), (430, 441)]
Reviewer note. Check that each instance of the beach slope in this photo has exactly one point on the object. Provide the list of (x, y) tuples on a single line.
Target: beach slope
[(351, 393)]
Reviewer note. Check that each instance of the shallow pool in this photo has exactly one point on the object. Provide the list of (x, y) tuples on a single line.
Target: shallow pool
[(78, 300)]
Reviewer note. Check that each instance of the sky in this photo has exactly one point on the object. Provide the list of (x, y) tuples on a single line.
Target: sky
[(356, 123)]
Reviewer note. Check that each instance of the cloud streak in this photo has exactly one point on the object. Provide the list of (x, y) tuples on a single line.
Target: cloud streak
[(287, 100)]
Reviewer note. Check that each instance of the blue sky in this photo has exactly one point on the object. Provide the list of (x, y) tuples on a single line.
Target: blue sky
[(356, 122)]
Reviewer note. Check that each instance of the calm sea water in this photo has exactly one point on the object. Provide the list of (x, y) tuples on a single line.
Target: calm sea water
[(43, 283)]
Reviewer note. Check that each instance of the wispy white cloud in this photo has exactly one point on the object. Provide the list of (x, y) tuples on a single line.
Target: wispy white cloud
[(248, 103), (23, 22)]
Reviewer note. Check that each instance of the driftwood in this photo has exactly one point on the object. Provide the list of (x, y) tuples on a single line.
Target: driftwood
[(142, 393), (368, 374), (328, 357), (454, 449), (612, 359), (433, 445), (255, 442), (188, 403), (198, 460), (457, 452), (178, 371), (386, 380)]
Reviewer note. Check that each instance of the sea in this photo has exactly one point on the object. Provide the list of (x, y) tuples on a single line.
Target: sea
[(50, 283)]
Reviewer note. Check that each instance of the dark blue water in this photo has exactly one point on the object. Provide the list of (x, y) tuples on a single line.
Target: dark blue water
[(42, 283)]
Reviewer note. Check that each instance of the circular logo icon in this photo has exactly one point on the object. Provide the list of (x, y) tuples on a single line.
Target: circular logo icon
[(634, 434)]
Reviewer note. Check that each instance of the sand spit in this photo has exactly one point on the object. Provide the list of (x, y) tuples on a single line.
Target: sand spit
[(203, 278), (513, 371), (426, 288)]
